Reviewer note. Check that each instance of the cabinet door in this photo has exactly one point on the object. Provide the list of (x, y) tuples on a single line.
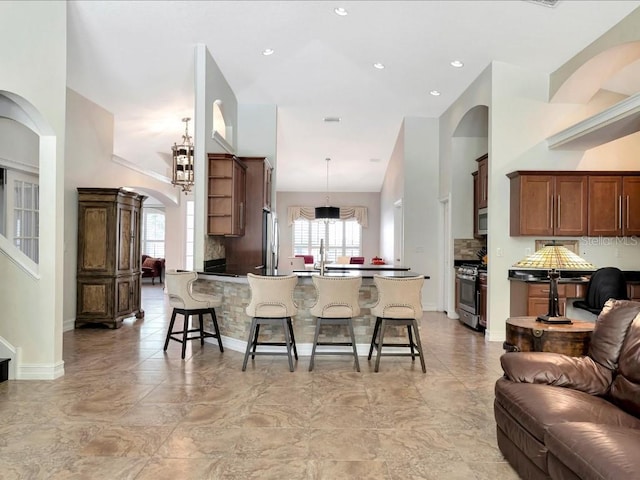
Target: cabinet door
[(95, 239), (457, 294), (239, 199), (605, 206), (126, 238), (571, 197), (268, 186), (483, 181), (540, 306), (476, 198), (535, 216), (631, 205), (483, 301)]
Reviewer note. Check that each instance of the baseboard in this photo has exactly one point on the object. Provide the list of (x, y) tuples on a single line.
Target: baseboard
[(40, 371), (68, 325)]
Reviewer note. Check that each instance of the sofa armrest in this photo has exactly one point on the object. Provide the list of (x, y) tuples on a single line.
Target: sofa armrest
[(578, 373)]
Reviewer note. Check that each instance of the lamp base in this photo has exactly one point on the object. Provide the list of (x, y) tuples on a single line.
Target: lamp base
[(554, 320)]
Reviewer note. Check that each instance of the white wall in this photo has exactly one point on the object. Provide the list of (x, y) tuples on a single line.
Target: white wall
[(36, 74), (421, 205), (91, 127), (210, 85), (392, 191), (371, 200)]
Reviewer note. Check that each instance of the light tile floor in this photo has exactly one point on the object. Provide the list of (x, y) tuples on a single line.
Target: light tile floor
[(127, 410)]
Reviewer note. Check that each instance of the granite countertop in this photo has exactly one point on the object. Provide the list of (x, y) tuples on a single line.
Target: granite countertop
[(566, 276), (335, 273)]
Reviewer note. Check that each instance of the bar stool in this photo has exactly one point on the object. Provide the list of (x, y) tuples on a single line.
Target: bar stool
[(185, 302), (271, 304), (336, 304), (399, 303)]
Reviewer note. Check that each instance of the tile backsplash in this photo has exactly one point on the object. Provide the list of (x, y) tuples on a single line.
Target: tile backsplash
[(466, 248)]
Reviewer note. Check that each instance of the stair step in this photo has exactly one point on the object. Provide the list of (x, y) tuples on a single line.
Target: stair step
[(4, 369)]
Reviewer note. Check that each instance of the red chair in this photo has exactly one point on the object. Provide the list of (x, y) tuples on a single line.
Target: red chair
[(308, 259), (357, 260)]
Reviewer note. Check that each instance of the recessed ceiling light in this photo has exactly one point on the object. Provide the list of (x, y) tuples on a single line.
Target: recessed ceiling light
[(268, 51), (457, 64), (341, 11), (435, 93), (378, 65)]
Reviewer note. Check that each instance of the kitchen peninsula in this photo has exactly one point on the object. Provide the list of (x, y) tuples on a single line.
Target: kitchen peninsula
[(234, 291)]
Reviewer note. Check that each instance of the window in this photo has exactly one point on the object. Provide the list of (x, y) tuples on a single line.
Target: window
[(190, 234), (341, 238), (26, 211), (20, 211), (153, 232)]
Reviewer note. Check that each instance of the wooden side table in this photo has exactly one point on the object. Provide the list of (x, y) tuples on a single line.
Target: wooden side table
[(525, 334)]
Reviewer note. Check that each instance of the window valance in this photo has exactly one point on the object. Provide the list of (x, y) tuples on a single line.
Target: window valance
[(346, 213)]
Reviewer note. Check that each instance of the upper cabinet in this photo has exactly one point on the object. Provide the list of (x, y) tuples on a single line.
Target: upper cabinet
[(267, 185), (226, 200), (565, 203), (482, 191), (548, 204), (614, 205)]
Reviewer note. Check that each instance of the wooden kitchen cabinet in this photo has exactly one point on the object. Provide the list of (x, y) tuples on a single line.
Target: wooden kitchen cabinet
[(614, 205), (547, 204), (633, 290), (226, 200), (247, 250), (483, 181), (108, 270), (483, 300), (530, 299)]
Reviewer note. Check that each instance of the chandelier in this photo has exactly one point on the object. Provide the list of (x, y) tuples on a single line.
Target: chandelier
[(327, 212), (183, 160)]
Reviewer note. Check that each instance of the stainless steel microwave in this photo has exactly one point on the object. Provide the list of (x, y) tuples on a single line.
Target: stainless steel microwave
[(483, 222)]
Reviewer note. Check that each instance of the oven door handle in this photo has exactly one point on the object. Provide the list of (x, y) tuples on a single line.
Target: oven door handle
[(462, 276)]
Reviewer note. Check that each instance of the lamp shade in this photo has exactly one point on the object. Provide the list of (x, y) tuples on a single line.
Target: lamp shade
[(556, 257), (330, 213)]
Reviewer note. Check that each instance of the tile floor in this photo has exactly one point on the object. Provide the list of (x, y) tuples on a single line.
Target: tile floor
[(127, 410)]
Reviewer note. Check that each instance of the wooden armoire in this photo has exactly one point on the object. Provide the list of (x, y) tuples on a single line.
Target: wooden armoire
[(109, 223)]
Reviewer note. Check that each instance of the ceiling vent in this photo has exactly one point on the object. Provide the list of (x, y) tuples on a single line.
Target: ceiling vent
[(332, 119), (545, 3)]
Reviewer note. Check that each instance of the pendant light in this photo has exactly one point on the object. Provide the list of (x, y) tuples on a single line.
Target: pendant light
[(183, 161), (327, 212)]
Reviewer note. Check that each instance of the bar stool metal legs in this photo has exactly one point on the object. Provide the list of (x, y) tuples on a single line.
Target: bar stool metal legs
[(415, 346), (183, 336), (352, 343), (289, 340)]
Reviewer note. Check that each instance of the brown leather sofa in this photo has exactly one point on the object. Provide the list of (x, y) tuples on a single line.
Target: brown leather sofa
[(575, 418)]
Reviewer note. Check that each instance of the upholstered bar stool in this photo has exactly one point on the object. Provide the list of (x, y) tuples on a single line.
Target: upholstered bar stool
[(336, 304), (399, 303), (187, 303), (271, 304)]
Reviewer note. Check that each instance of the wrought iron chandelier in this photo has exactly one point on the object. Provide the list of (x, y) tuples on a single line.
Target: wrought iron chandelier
[(183, 160)]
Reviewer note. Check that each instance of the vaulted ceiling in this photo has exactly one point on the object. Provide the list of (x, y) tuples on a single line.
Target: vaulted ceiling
[(136, 60)]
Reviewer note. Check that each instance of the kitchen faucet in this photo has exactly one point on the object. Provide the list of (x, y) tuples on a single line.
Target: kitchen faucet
[(322, 253)]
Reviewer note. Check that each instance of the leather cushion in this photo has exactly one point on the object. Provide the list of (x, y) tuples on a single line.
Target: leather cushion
[(595, 451), (625, 390), (579, 373), (536, 407), (610, 331)]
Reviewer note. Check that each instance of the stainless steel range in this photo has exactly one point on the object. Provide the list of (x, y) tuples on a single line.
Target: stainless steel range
[(469, 295)]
